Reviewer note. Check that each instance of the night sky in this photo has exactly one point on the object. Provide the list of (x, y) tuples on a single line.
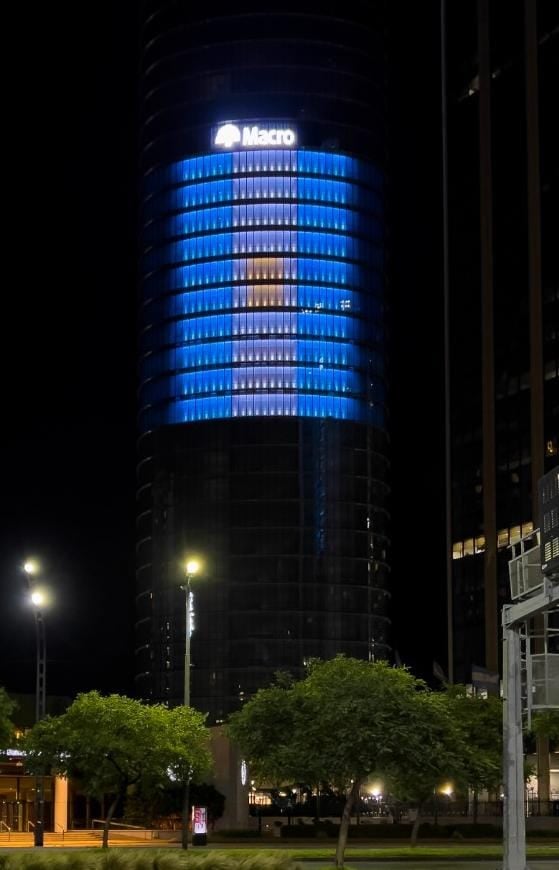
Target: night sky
[(69, 339)]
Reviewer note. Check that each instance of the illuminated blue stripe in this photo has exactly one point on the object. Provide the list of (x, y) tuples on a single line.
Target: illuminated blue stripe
[(256, 405), (266, 187), (318, 351), (276, 295), (255, 242), (262, 160), (254, 323), (264, 377), (279, 214), (256, 267)]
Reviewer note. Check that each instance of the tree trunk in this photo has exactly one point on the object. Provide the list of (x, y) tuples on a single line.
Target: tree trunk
[(87, 811), (185, 814), (415, 827), (475, 806), (543, 774), (108, 820), (346, 815)]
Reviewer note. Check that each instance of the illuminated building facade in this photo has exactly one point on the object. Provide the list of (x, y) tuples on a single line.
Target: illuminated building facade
[(263, 443)]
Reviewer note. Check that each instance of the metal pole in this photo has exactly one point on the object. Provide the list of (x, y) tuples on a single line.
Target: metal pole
[(514, 821), (186, 702), (446, 305), (186, 696), (40, 710)]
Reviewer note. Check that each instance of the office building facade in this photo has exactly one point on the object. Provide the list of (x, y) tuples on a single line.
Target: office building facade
[(263, 443), (504, 304)]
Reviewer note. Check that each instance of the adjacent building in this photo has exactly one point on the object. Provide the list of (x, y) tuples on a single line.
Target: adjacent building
[(503, 298)]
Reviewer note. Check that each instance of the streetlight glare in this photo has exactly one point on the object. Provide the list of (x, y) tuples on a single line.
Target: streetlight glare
[(31, 566), (192, 566), (38, 598)]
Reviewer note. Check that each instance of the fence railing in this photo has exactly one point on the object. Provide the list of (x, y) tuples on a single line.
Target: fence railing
[(389, 811)]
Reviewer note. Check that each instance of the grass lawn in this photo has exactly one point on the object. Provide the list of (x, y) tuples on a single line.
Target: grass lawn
[(450, 852)]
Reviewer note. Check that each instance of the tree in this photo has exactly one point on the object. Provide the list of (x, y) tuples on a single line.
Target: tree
[(7, 707), (480, 723), (546, 724), (115, 744), (346, 720), (442, 756)]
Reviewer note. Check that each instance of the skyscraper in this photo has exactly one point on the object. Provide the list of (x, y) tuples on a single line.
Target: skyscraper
[(503, 293), (263, 430)]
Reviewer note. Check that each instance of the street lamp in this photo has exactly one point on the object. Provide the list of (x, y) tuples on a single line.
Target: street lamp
[(192, 568), (38, 600)]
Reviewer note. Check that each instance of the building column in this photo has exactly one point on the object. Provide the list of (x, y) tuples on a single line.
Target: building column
[(60, 815)]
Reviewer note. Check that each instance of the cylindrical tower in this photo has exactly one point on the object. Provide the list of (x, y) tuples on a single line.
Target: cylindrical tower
[(263, 444)]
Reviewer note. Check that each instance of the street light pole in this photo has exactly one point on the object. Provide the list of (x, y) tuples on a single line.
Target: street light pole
[(192, 568), (188, 619), (38, 599)]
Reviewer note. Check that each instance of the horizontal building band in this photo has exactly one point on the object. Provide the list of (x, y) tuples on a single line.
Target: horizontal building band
[(298, 161), (283, 242), (276, 295), (264, 187), (278, 214), (265, 403), (246, 351)]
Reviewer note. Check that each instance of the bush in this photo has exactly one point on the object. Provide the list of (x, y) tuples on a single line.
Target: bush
[(114, 860), (166, 862), (33, 861), (258, 862), (135, 860)]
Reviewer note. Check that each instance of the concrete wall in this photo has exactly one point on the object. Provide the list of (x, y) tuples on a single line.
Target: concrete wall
[(227, 779)]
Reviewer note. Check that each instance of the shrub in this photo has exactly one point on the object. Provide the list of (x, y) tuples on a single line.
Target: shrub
[(84, 862), (113, 860), (141, 862), (213, 862), (269, 862), (134, 860), (36, 862), (167, 862)]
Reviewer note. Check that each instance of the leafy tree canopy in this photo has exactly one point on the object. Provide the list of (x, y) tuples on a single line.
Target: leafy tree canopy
[(546, 724), (346, 720), (7, 707), (480, 724), (112, 743)]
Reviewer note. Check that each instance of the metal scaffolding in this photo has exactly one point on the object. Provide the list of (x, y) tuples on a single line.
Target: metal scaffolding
[(531, 678)]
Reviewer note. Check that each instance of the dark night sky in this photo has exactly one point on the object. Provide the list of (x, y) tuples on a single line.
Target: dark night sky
[(68, 430)]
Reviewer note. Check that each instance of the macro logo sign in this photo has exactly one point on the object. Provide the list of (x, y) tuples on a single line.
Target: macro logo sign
[(228, 135)]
